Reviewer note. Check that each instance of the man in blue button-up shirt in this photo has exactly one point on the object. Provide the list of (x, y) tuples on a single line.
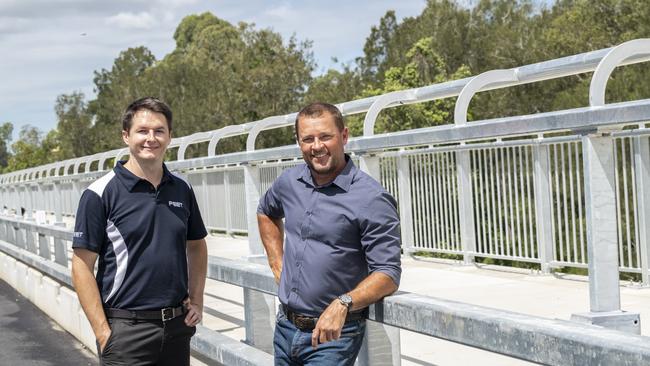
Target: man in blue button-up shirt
[(342, 247)]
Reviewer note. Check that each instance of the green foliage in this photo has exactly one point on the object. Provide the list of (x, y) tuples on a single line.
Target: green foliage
[(73, 136), (424, 67), (116, 89), (221, 74), (335, 86), (27, 150), (6, 129)]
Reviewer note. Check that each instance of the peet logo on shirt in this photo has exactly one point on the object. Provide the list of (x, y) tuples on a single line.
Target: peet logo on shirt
[(176, 204), (78, 234)]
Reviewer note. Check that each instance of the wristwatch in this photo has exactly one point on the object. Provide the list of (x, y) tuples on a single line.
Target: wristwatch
[(346, 300)]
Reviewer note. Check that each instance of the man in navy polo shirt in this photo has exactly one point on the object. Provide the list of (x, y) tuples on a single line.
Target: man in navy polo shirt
[(342, 247), (144, 225)]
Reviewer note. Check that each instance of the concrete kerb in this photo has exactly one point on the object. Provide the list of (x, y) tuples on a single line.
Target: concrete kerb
[(47, 299), (33, 284), (67, 318), (20, 277)]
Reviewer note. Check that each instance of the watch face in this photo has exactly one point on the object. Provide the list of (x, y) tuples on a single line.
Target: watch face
[(346, 299)]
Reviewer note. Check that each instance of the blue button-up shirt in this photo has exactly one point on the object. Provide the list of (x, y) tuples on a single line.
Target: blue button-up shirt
[(335, 235)]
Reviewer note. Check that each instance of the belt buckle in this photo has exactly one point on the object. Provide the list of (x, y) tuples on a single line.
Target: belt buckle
[(167, 314), (303, 323)]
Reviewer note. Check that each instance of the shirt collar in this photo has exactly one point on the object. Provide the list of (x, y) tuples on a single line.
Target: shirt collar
[(131, 180), (343, 180)]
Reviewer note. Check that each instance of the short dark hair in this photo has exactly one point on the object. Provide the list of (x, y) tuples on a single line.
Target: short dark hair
[(317, 109), (148, 103)]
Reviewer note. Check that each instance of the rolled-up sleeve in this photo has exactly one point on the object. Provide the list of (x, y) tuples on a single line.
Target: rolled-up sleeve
[(380, 236)]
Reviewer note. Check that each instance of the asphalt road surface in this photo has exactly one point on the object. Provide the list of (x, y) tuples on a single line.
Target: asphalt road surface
[(30, 338)]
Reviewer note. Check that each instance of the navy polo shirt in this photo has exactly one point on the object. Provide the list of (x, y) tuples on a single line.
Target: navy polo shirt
[(140, 234), (335, 235)]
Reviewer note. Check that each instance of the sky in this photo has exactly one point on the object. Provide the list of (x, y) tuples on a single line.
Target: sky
[(52, 47)]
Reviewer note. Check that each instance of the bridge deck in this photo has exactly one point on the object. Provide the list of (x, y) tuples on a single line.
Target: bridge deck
[(28, 337), (522, 291)]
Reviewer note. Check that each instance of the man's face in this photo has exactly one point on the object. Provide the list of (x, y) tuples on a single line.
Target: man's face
[(322, 144), (148, 137)]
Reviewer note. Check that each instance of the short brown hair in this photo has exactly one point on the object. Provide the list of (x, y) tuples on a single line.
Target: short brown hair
[(317, 109), (148, 103)]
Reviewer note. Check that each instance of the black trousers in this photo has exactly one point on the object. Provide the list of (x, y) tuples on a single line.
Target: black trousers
[(147, 343)]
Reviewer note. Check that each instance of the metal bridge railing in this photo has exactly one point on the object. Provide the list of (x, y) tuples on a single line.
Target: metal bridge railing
[(531, 338), (505, 188)]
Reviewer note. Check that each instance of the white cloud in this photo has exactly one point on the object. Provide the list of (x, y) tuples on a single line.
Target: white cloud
[(282, 12), (10, 25), (142, 20)]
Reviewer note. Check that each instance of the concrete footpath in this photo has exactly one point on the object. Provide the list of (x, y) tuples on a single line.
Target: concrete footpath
[(30, 338), (522, 291)]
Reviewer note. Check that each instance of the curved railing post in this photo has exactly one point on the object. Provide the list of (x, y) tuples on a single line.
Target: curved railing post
[(259, 308), (463, 164), (382, 102), (599, 159), (615, 57), (120, 153), (227, 131), (103, 158), (186, 141), (380, 338)]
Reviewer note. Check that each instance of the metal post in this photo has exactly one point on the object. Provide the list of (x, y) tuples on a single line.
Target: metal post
[(466, 205), (405, 202), (381, 345), (227, 198), (30, 203), (543, 204), (19, 237), (602, 249), (30, 241), (58, 211), (44, 246), (60, 251), (259, 308), (21, 199), (11, 233), (642, 175)]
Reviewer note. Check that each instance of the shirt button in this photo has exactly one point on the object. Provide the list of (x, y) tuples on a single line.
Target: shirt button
[(294, 290)]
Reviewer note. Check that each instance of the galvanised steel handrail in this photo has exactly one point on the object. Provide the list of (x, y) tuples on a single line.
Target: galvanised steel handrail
[(635, 51), (463, 184)]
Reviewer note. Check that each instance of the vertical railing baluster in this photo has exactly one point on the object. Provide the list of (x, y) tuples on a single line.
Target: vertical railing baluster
[(543, 206), (405, 202), (642, 177)]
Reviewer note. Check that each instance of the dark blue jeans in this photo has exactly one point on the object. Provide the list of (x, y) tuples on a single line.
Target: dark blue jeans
[(293, 346)]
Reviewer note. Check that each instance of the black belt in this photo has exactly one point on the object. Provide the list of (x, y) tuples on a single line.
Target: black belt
[(308, 323), (162, 314)]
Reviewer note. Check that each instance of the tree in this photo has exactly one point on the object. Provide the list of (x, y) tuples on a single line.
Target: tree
[(74, 137), (220, 75), (6, 129), (335, 86), (27, 150), (116, 89), (425, 67)]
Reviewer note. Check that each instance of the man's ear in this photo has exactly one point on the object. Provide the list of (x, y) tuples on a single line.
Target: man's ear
[(125, 137), (346, 134)]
